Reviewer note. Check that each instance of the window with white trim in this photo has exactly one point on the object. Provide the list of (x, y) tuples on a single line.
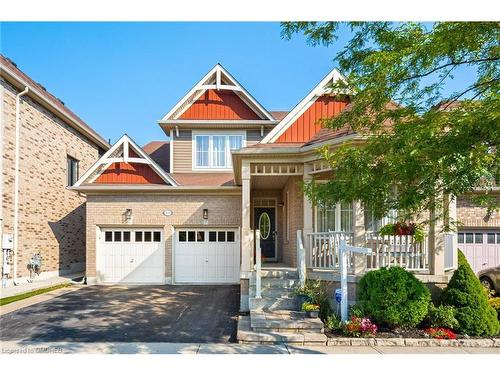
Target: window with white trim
[(213, 151), (338, 217), (373, 225)]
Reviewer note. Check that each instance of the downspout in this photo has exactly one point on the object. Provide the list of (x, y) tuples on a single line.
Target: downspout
[(16, 180)]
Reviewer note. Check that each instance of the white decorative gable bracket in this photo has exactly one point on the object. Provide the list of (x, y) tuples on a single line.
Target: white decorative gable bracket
[(218, 78), (120, 153)]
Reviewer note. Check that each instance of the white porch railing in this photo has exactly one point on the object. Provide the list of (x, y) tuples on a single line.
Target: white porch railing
[(402, 251), (324, 249)]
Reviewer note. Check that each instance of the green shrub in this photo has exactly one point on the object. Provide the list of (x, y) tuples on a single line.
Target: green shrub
[(495, 303), (441, 317), (464, 291), (333, 323), (393, 297)]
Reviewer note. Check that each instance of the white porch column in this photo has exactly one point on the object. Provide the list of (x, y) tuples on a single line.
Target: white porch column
[(246, 237), (451, 221), (359, 236), (436, 241), (308, 212)]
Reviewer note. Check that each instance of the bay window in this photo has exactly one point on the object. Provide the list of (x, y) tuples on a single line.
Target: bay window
[(373, 225), (213, 151)]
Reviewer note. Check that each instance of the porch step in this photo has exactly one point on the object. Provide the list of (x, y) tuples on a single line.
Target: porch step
[(275, 282), (279, 303), (247, 335), (284, 321), (274, 292), (279, 273)]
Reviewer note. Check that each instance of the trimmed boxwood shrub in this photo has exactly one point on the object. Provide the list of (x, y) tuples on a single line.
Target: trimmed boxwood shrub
[(393, 297), (464, 292)]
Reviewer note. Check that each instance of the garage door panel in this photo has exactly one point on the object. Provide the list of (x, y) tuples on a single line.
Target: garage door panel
[(481, 247), (133, 261), (208, 258)]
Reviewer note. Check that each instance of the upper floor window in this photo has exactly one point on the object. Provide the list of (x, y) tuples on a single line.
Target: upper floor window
[(72, 171), (213, 151)]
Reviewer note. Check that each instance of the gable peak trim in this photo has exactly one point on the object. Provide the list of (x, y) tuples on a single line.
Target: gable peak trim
[(218, 78), (123, 146), (322, 88)]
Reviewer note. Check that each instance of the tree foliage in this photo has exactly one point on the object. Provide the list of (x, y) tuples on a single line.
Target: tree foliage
[(424, 132)]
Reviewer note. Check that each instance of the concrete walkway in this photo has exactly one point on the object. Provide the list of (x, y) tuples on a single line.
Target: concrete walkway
[(14, 306), (25, 287), (16, 347)]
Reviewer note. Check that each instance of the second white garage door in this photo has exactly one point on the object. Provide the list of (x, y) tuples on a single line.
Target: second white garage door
[(480, 247), (207, 256)]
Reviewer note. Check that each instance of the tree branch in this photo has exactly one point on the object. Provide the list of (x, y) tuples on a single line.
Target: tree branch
[(453, 63)]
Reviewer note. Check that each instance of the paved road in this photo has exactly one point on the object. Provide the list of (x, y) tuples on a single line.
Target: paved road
[(175, 314)]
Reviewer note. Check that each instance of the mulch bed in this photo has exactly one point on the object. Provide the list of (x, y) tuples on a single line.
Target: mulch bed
[(410, 333)]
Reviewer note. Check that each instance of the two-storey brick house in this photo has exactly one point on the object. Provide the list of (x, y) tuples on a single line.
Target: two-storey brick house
[(187, 210), (51, 147)]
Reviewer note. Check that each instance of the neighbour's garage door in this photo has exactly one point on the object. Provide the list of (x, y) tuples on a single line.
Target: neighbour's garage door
[(481, 247), (131, 256), (206, 256)]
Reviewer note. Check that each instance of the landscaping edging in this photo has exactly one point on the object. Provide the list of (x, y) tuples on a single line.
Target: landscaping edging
[(466, 343)]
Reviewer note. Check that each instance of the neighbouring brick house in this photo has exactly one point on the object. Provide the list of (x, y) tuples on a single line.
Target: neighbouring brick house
[(187, 210), (54, 145)]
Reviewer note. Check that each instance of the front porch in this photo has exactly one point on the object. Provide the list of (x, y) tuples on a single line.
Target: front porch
[(298, 236)]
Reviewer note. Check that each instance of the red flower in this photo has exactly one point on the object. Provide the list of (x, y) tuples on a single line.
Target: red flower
[(441, 333)]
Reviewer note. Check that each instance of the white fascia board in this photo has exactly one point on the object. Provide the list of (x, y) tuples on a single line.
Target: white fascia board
[(216, 122), (303, 105), (216, 71), (106, 159), (36, 94)]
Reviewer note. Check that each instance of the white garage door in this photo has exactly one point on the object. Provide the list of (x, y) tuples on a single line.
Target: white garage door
[(481, 247), (131, 256), (205, 256)]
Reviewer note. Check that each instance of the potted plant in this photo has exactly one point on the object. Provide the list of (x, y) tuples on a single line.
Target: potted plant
[(303, 295), (312, 310)]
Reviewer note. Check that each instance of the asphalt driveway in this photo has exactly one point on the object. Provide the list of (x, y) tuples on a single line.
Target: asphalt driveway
[(182, 314)]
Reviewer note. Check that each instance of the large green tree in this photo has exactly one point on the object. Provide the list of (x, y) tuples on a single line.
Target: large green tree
[(427, 133)]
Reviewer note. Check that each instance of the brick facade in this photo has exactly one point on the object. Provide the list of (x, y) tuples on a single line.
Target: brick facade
[(51, 217), (147, 210), (471, 216)]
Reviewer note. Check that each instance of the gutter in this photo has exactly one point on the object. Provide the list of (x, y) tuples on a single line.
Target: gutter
[(16, 179), (77, 124), (155, 189)]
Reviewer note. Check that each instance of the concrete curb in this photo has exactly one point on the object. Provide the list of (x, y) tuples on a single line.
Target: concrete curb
[(463, 343)]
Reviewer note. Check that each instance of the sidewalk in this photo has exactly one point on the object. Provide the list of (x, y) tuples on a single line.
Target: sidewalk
[(26, 287), (13, 306), (175, 348)]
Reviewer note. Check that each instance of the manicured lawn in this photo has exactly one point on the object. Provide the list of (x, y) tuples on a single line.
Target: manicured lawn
[(6, 300)]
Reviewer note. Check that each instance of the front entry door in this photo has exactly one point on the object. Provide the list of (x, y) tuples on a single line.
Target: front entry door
[(265, 221)]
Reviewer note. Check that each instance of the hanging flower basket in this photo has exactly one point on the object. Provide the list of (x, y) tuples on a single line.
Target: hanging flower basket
[(403, 229)]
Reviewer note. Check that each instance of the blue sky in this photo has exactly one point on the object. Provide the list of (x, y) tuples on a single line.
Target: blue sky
[(123, 77)]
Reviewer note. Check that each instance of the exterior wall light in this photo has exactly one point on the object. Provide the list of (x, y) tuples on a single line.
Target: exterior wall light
[(128, 215), (205, 214)]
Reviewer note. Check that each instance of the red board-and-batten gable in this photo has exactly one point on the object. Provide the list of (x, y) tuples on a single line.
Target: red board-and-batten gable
[(129, 173), (219, 105), (307, 124)]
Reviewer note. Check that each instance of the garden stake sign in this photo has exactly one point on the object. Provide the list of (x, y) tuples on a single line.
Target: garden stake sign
[(344, 250)]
